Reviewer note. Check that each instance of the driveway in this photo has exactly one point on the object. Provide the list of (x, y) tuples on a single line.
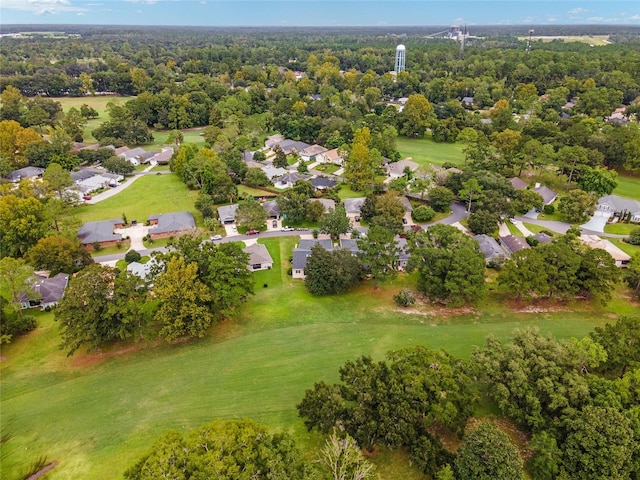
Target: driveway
[(597, 222), (136, 233)]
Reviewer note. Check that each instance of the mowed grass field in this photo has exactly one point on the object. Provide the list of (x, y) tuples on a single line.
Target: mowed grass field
[(628, 186), (96, 414), (147, 195), (425, 151)]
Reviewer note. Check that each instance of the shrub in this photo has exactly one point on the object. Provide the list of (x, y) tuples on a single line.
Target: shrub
[(532, 241), (14, 324), (119, 244), (549, 209), (634, 237), (132, 256), (423, 213), (96, 246), (404, 298)]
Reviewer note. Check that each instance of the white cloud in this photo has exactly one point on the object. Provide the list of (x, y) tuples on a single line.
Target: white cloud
[(80, 14), (42, 7), (578, 10)]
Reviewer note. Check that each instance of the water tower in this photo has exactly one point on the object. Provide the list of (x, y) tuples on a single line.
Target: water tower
[(400, 59)]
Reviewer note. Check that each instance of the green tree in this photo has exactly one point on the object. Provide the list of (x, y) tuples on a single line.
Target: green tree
[(599, 180), (379, 253), (88, 112), (315, 211), (16, 283), (597, 274), (471, 191), (12, 103), (416, 116), (342, 459), (331, 272), (280, 160), (293, 206), (225, 450), (101, 304), (545, 461), (524, 274), (256, 177), (487, 454), (423, 213), (22, 224), (634, 237), (183, 309), (632, 275), (251, 214), (577, 205), (621, 341), (441, 198), (73, 123), (118, 165), (335, 223), (526, 200), (360, 167), (59, 254), (59, 182), (483, 222)]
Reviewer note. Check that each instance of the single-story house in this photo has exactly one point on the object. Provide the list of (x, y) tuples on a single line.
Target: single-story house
[(272, 208), (396, 169), (91, 179), (542, 237), (227, 213), (100, 232), (403, 256), (620, 206), (133, 155), (247, 156), (330, 156), (142, 270), (467, 102), (272, 172), (518, 184), (322, 183), (164, 157), (273, 140), (620, 257), (291, 146), (311, 152), (259, 258), (513, 243), (327, 203), (548, 196), (303, 251), (288, 180), (490, 248), (353, 205), (26, 172), (50, 291), (170, 224)]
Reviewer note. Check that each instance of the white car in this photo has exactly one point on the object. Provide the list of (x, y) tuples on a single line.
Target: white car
[(287, 229), (216, 237)]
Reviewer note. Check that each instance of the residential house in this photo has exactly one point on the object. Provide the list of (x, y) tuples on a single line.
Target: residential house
[(620, 207), (467, 102), (247, 156), (89, 180), (618, 116), (49, 290), (490, 248), (134, 155), (162, 158), (548, 196), (397, 169), (353, 206), (289, 179), (518, 184), (273, 140), (290, 147), (331, 156), (272, 172), (101, 233), (620, 257), (26, 172), (513, 243), (170, 224), (327, 203), (322, 183), (310, 153), (227, 213), (120, 150), (272, 208), (542, 238), (303, 251), (259, 258), (403, 256)]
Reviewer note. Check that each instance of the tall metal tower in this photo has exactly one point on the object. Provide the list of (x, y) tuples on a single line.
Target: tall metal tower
[(400, 59)]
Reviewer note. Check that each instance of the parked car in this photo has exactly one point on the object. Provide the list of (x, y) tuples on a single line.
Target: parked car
[(287, 229), (404, 221), (86, 197), (253, 232), (216, 237), (357, 218), (275, 224)]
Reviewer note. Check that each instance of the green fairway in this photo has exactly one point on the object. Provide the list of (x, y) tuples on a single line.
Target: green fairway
[(96, 414), (628, 186), (99, 103), (425, 151), (148, 195)]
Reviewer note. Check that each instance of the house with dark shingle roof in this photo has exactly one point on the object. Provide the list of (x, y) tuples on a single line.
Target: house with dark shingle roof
[(170, 224), (272, 208), (100, 232), (322, 183), (518, 184), (288, 180), (227, 213), (303, 252), (259, 257), (513, 243), (490, 248), (353, 205), (311, 152), (49, 290), (548, 196), (26, 172)]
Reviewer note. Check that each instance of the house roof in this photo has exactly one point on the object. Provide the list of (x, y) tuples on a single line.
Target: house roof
[(271, 172), (291, 177), (548, 195), (513, 243), (327, 203), (247, 156), (288, 146), (353, 205), (397, 168), (272, 208), (52, 289), (227, 212), (172, 222), (489, 247), (332, 155), (468, 100), (299, 260), (313, 150), (85, 173), (349, 244), (595, 241), (619, 204), (518, 184), (542, 237), (133, 153), (273, 140), (164, 156), (101, 231), (120, 150), (307, 243), (258, 253), (322, 182), (26, 172)]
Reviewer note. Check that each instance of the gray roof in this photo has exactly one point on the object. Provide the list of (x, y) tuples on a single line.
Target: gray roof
[(397, 168), (327, 203), (467, 100), (164, 156), (51, 289), (542, 238), (403, 247), (349, 244), (135, 152), (518, 184), (227, 213), (26, 172), (101, 231), (299, 260), (172, 222), (513, 243), (288, 146), (619, 204), (322, 182), (313, 150), (291, 178), (548, 195), (258, 253), (489, 247), (272, 208), (307, 243), (353, 205)]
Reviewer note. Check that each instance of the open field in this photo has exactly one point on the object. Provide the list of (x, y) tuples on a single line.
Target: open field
[(97, 102), (148, 195), (628, 186), (426, 152), (96, 414), (595, 40)]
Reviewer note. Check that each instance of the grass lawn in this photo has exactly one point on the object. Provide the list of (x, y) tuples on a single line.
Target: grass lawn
[(148, 195), (536, 228), (95, 414), (425, 151), (99, 103), (629, 249), (346, 192), (327, 168), (111, 250), (513, 230), (628, 186), (620, 228), (254, 191)]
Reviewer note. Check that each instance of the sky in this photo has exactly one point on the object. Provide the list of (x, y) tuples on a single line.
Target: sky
[(320, 12)]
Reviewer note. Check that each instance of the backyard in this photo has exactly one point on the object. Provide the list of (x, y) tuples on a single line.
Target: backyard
[(425, 151), (103, 410)]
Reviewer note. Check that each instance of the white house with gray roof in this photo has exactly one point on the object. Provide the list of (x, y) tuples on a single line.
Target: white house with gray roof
[(259, 257), (227, 213), (619, 206)]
